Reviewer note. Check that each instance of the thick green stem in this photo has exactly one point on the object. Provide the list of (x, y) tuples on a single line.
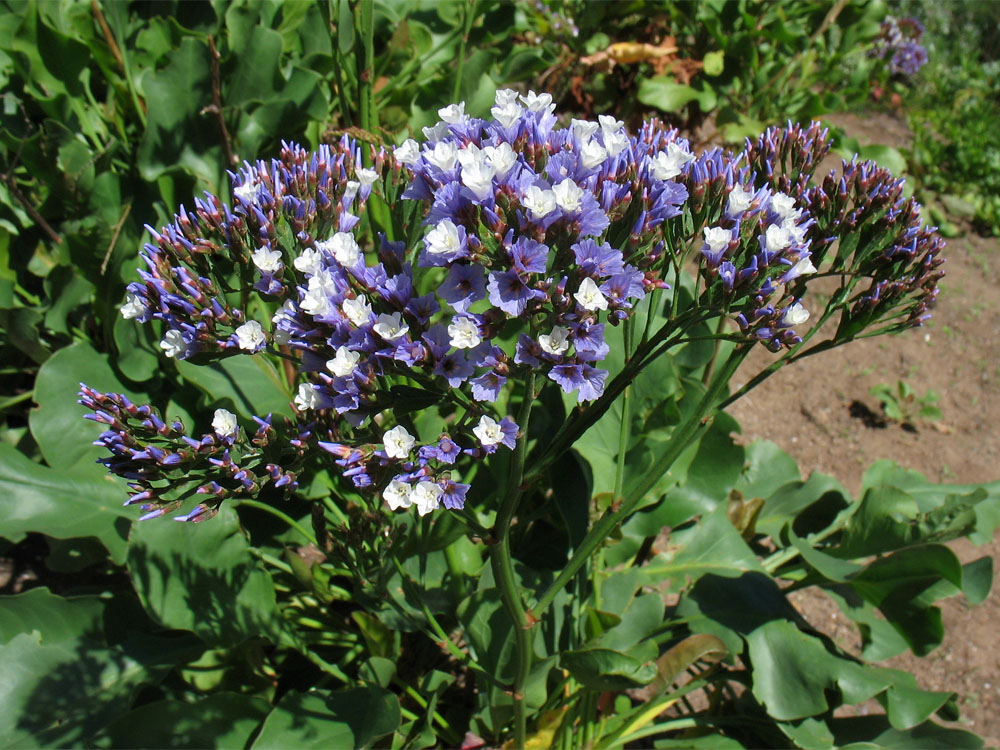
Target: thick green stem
[(683, 435), (503, 566)]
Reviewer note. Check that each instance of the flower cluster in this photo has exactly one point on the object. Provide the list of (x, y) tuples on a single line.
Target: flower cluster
[(872, 237), (899, 40), (439, 275), (164, 465)]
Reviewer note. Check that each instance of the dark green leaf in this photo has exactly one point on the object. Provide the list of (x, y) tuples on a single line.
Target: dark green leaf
[(323, 719), (55, 618), (222, 720)]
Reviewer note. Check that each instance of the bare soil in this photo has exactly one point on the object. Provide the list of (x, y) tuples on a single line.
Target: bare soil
[(820, 411)]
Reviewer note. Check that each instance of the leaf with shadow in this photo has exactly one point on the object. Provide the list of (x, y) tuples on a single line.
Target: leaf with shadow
[(204, 578)]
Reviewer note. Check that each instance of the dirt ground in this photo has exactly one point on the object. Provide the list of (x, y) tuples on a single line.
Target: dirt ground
[(820, 411)]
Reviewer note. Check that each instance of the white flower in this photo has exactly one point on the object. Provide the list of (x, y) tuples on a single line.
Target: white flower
[(427, 497), (408, 153), (224, 423), (784, 206), (592, 154), (609, 124), (398, 442), (391, 327), (248, 192), (568, 195), (343, 247), (324, 281), (351, 188), (556, 342), (590, 296), (398, 495), (583, 130), (443, 155), (357, 310), (794, 315), (365, 176), (309, 262), (436, 133), (507, 115), (801, 268), (739, 200), (538, 102), (453, 113), (470, 155), (478, 177), (502, 158), (615, 143), (316, 301), (464, 333), (443, 238), (306, 398), (540, 203), (268, 261), (670, 163), (250, 336), (504, 97), (173, 344), (488, 431), (797, 232), (344, 362), (777, 238), (133, 306), (283, 313), (717, 238)]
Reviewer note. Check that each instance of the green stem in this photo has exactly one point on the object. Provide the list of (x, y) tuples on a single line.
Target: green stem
[(683, 435), (282, 515), (470, 15), (364, 24), (503, 565)]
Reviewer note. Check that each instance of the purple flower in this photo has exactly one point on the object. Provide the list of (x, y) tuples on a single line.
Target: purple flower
[(464, 285), (508, 292)]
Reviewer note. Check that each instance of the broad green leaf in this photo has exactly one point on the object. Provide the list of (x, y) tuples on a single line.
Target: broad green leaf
[(886, 157), (663, 92), (55, 618), (900, 585), (713, 63), (767, 468), (712, 546), (322, 719), (251, 384), (642, 617), (178, 136), (63, 435), (605, 669), (879, 639), (730, 608), (792, 672), (62, 504), (807, 506), (875, 732), (60, 694), (203, 577), (222, 720)]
